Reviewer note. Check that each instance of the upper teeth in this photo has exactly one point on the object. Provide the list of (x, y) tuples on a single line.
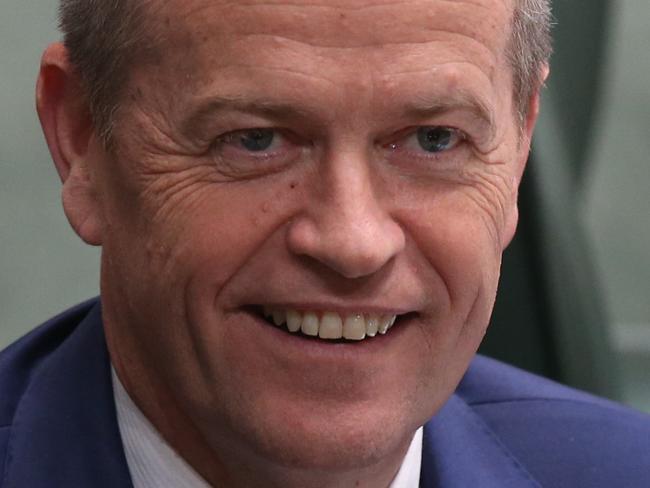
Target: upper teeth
[(331, 325)]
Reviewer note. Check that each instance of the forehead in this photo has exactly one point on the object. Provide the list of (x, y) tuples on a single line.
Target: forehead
[(341, 23), (476, 26), (372, 53)]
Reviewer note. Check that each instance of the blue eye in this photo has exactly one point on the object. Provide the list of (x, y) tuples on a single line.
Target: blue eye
[(256, 140), (252, 152), (437, 139)]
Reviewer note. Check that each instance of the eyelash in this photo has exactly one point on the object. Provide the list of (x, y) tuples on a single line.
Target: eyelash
[(402, 139), (290, 146), (418, 159), (230, 154), (230, 138)]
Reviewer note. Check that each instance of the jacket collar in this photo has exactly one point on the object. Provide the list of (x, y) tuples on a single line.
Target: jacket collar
[(65, 431), (460, 450), (65, 428)]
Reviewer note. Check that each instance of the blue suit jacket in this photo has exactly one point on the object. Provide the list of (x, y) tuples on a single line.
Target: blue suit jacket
[(502, 428)]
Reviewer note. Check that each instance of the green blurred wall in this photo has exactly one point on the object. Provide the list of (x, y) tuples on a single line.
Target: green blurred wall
[(43, 266)]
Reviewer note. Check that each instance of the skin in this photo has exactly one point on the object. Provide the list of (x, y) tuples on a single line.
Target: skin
[(346, 213)]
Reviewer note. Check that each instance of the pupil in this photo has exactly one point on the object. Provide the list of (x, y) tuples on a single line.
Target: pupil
[(257, 140), (434, 139)]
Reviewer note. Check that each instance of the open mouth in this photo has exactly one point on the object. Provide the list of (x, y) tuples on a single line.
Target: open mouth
[(330, 326)]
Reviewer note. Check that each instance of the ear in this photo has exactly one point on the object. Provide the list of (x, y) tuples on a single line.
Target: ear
[(533, 111), (67, 125), (522, 155)]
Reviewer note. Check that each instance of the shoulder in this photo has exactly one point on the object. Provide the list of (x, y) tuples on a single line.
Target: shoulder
[(21, 361), (58, 425), (562, 436)]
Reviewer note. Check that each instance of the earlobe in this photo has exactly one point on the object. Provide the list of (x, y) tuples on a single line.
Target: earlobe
[(67, 125)]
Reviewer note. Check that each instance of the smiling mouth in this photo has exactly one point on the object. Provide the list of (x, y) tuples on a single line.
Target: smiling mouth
[(331, 326)]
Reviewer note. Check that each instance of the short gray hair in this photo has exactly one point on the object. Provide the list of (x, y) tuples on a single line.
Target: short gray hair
[(529, 50), (105, 38)]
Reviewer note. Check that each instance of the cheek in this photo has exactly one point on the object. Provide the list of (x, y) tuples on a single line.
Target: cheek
[(458, 244), (462, 254), (175, 241), (171, 256), (191, 226), (218, 235)]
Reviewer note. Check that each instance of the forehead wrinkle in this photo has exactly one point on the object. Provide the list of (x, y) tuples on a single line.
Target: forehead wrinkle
[(242, 103), (349, 5), (292, 71), (444, 38), (334, 25)]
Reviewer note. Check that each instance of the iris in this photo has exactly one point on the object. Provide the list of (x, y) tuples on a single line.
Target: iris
[(435, 139), (257, 140)]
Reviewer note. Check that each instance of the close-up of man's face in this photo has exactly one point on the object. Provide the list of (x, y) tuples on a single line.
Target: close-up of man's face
[(334, 167)]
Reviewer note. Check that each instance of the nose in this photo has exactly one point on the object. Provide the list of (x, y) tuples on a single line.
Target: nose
[(343, 224)]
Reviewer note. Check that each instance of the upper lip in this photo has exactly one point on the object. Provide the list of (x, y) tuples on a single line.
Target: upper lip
[(384, 300), (340, 308)]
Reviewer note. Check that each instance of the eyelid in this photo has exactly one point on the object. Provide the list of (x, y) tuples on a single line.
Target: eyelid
[(233, 160), (284, 135), (398, 140), (232, 135)]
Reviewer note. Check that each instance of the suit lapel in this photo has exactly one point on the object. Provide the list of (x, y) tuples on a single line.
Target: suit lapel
[(459, 450), (65, 431)]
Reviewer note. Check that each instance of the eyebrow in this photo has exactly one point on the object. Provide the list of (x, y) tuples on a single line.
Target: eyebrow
[(208, 108), (427, 106), (421, 107)]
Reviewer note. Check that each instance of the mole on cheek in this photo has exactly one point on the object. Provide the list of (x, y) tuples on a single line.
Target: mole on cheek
[(293, 185)]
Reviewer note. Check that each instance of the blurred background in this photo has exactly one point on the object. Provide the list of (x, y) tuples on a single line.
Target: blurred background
[(575, 295)]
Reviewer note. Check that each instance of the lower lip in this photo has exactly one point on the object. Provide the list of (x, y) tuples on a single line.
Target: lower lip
[(280, 339)]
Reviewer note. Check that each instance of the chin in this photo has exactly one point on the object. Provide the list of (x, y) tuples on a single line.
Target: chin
[(332, 445), (332, 438)]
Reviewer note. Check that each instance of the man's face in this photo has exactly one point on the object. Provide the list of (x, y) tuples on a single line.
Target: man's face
[(343, 160)]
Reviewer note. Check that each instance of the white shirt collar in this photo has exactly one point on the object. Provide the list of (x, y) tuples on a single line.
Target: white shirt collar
[(153, 463)]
